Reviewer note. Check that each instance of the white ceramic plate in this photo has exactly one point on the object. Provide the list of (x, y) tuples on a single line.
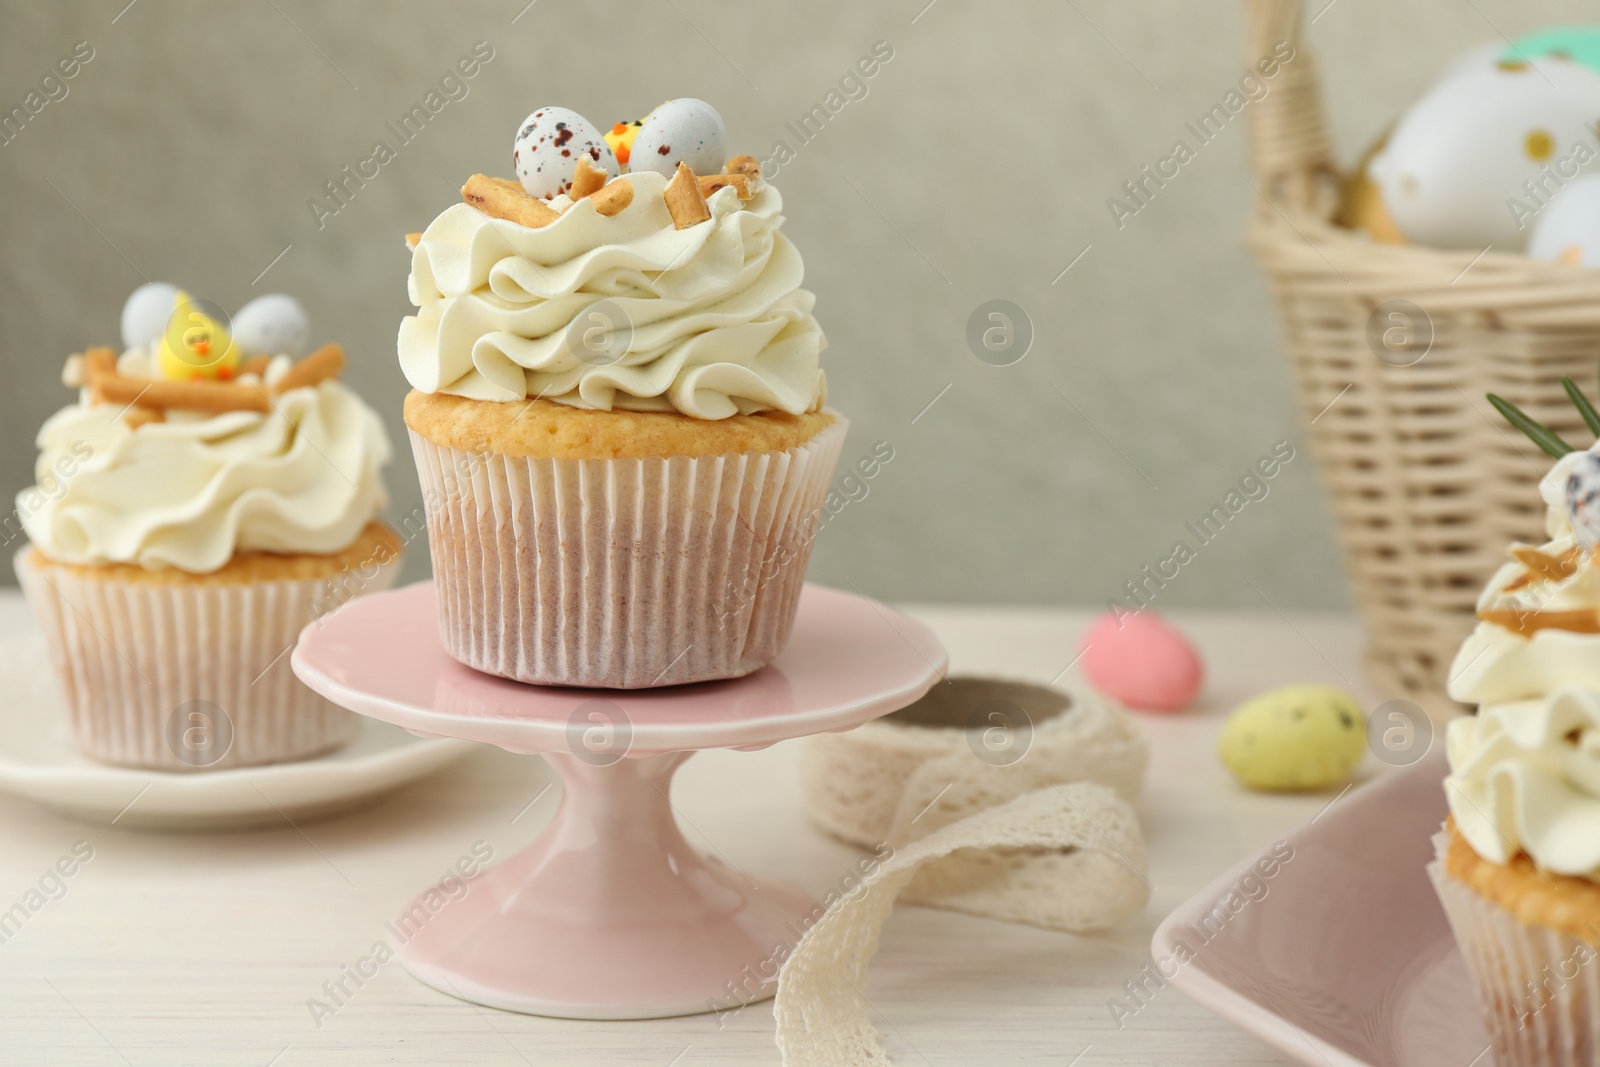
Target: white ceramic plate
[(39, 762)]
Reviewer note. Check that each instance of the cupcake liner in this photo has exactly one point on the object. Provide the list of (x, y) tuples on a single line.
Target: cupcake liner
[(188, 676), (623, 573), (1539, 989)]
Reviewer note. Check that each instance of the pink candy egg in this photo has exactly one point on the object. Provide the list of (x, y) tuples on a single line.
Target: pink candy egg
[(1142, 661)]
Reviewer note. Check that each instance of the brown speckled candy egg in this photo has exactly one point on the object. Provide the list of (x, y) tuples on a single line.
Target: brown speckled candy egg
[(683, 130), (548, 146)]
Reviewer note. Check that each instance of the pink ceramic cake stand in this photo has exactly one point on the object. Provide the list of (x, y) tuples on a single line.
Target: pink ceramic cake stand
[(611, 914)]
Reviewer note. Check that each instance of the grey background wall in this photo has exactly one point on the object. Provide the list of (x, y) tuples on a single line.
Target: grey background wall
[(976, 166)]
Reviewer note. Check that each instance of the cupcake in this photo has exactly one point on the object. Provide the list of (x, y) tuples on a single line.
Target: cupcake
[(1518, 872), (1518, 862), (617, 411), (206, 497)]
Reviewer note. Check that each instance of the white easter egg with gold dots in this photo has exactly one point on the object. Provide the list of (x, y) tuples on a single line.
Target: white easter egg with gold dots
[(1567, 230), (1483, 141)]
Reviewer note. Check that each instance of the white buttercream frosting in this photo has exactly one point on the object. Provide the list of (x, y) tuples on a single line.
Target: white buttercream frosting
[(714, 321), (1496, 664), (191, 491), (1525, 776)]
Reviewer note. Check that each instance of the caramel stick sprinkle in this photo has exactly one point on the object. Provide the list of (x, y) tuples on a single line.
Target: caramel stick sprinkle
[(204, 396), (1549, 568), (326, 362), (685, 202), (613, 197), (98, 361), (1526, 623), (710, 183), (136, 417), (502, 198), (586, 180)]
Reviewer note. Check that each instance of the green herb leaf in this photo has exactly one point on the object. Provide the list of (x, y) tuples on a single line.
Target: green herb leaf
[(1538, 433), (1591, 417)]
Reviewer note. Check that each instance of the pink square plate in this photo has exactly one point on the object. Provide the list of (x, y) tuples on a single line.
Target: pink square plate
[(1338, 954)]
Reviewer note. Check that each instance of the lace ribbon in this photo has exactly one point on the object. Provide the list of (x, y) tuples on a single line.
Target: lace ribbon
[(1048, 839)]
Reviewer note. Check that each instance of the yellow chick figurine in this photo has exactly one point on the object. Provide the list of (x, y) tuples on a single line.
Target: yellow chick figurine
[(195, 345), (621, 137)]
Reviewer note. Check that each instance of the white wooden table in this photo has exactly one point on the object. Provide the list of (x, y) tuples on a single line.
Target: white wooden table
[(177, 949)]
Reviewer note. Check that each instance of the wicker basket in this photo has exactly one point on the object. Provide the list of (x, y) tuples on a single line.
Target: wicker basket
[(1428, 483)]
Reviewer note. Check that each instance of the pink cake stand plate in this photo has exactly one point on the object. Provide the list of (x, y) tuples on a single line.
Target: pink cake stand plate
[(610, 914)]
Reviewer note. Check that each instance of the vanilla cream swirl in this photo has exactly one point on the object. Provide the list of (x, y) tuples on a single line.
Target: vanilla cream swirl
[(714, 322), (1525, 777), (191, 491), (1496, 664)]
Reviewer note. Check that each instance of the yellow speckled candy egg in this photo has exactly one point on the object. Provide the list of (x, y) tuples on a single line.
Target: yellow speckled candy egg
[(1297, 737)]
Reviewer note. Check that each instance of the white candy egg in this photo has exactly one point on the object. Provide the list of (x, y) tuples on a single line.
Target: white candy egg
[(1568, 229), (145, 314), (1583, 498), (1456, 164), (273, 325), (683, 130), (548, 147)]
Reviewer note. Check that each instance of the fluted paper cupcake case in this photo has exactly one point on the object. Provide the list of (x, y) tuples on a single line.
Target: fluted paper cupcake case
[(621, 573), (1539, 989), (187, 676)]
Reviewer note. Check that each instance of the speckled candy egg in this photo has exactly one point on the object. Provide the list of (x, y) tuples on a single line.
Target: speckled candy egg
[(1142, 661), (548, 147), (145, 315), (1296, 738), (684, 130), (273, 325), (1583, 498)]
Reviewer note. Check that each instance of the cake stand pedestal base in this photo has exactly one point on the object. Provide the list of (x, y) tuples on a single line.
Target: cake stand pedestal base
[(609, 915)]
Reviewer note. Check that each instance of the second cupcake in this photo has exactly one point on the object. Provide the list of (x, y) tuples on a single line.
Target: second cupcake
[(202, 501)]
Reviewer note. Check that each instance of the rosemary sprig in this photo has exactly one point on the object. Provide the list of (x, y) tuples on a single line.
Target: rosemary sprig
[(1591, 417), (1537, 432)]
